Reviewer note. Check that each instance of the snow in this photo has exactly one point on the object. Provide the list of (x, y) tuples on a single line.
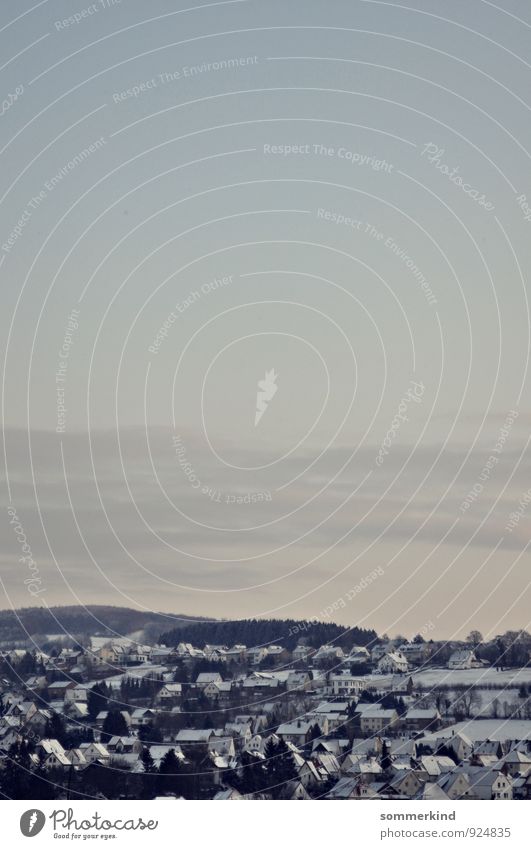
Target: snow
[(452, 677), (491, 729)]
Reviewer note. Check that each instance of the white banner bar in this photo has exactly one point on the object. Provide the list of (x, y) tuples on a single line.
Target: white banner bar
[(263, 825)]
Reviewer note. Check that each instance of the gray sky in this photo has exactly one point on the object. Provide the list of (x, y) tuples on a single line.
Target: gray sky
[(334, 194)]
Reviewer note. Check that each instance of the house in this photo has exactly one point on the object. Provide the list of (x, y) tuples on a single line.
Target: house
[(517, 763), (352, 788), (392, 662), (169, 694), (329, 652), (368, 768), (76, 758), (228, 794), (217, 654), (293, 790), (77, 693), (487, 783), (297, 731), (222, 746), (205, 678), (236, 653), (219, 692), (418, 719), (345, 684), (297, 681), (190, 739), (57, 760), (94, 752), (456, 785), (431, 792), (124, 745), (378, 651), (257, 682), (256, 655), (458, 744), (356, 656), (374, 720), (278, 653), (406, 783), (58, 689), (462, 659), (49, 746), (301, 653), (141, 716), (414, 652), (522, 787), (76, 710), (488, 748)]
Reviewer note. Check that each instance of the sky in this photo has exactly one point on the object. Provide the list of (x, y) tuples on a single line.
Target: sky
[(317, 212)]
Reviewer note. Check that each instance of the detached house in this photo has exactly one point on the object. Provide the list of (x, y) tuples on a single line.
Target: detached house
[(392, 662), (462, 659), (297, 731), (345, 684), (170, 694)]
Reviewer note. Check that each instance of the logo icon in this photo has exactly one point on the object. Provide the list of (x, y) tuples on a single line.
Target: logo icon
[(32, 822), (266, 391)]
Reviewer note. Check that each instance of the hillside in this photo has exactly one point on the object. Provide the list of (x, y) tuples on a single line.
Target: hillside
[(77, 621), (258, 632), (16, 627)]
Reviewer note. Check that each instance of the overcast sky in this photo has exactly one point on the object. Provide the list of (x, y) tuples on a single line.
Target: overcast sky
[(329, 199)]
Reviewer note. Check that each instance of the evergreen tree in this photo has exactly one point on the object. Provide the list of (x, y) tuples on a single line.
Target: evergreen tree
[(169, 778), (148, 775), (115, 725), (55, 728), (96, 701), (16, 775), (279, 766)]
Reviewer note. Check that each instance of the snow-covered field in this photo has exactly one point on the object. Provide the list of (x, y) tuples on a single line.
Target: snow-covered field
[(429, 678), (488, 729)]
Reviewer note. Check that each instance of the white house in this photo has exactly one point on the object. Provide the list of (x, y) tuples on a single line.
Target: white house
[(462, 659), (392, 662), (345, 684)]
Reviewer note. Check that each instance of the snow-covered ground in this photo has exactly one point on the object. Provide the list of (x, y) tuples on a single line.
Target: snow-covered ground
[(487, 729), (429, 678)]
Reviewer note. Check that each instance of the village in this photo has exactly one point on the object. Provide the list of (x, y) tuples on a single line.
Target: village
[(116, 718)]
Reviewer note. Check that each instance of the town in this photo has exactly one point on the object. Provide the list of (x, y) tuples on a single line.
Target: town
[(113, 717)]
